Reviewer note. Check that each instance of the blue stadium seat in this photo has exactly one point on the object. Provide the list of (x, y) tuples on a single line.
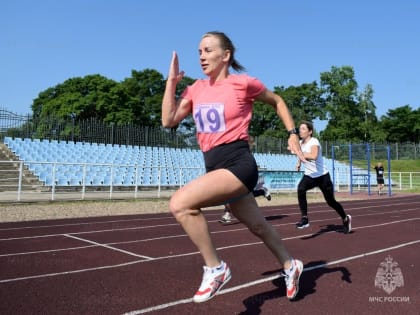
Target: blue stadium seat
[(151, 165)]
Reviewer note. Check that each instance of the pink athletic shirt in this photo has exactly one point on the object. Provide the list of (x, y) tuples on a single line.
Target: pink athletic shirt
[(222, 111)]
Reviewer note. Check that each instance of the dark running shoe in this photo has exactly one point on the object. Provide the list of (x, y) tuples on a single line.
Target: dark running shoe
[(303, 223), (347, 224), (267, 194)]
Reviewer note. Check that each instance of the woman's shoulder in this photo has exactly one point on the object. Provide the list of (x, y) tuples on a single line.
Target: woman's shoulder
[(314, 141), (200, 82), (196, 86), (252, 85), (241, 77)]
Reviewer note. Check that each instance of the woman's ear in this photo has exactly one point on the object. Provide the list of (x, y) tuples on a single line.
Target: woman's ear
[(227, 55)]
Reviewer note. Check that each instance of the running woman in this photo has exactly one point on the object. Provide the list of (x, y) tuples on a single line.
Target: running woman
[(221, 106), (316, 175)]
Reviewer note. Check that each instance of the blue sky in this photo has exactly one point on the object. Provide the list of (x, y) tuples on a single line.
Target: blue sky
[(283, 43)]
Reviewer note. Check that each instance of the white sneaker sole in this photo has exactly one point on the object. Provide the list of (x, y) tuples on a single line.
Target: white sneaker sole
[(297, 281), (204, 299), (302, 226)]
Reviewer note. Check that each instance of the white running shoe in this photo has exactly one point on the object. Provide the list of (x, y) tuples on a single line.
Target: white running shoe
[(226, 218), (213, 280), (347, 224), (292, 279)]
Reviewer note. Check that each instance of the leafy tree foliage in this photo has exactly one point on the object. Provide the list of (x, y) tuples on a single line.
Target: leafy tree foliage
[(402, 124), (370, 122), (265, 121), (145, 91), (85, 97), (345, 115), (304, 102), (137, 100)]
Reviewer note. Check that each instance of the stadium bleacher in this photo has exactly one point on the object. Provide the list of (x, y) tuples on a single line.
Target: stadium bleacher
[(92, 164)]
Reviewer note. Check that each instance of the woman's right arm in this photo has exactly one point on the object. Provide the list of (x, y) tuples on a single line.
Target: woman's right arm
[(298, 164), (174, 111)]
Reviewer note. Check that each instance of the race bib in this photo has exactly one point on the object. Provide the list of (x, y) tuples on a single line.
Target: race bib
[(210, 118)]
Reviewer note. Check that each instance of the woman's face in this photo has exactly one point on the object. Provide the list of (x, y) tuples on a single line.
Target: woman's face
[(304, 131), (212, 57)]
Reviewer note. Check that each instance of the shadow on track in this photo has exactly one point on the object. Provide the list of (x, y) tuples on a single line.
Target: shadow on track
[(326, 229), (275, 217), (307, 286)]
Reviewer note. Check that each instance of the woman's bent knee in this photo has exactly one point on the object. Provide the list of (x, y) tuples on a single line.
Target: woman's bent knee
[(179, 211), (301, 190)]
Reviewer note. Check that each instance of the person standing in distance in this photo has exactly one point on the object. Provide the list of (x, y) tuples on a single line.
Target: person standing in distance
[(221, 106), (316, 175), (379, 168)]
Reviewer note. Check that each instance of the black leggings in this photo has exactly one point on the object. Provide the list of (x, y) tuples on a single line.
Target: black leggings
[(324, 183), (258, 192)]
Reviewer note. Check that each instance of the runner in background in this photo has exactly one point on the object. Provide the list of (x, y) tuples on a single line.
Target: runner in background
[(259, 190), (316, 175), (379, 168)]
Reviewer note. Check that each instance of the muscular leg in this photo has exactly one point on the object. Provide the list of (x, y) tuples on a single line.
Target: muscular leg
[(186, 203), (247, 211)]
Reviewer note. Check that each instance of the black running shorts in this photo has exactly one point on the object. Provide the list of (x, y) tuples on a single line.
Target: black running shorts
[(237, 158)]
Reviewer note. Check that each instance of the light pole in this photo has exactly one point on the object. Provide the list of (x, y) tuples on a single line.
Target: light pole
[(73, 118)]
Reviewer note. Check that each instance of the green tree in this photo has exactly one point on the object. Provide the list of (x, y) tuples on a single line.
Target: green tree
[(401, 124), (345, 115), (371, 130), (304, 102), (74, 99), (145, 91), (265, 121), (86, 97)]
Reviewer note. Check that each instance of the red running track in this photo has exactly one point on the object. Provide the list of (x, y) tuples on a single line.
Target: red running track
[(145, 263)]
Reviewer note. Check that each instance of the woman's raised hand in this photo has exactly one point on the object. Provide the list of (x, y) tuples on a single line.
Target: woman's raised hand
[(174, 73)]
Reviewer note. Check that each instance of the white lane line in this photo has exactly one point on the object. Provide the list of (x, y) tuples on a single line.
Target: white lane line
[(72, 271), (170, 256), (177, 224), (84, 223), (256, 282), (216, 232), (108, 247), (48, 251), (366, 205), (91, 232), (303, 236)]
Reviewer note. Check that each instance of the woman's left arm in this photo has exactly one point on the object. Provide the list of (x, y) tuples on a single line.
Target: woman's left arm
[(283, 112)]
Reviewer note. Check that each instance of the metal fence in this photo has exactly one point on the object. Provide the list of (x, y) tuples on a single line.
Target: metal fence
[(95, 131), (20, 186), (17, 188)]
